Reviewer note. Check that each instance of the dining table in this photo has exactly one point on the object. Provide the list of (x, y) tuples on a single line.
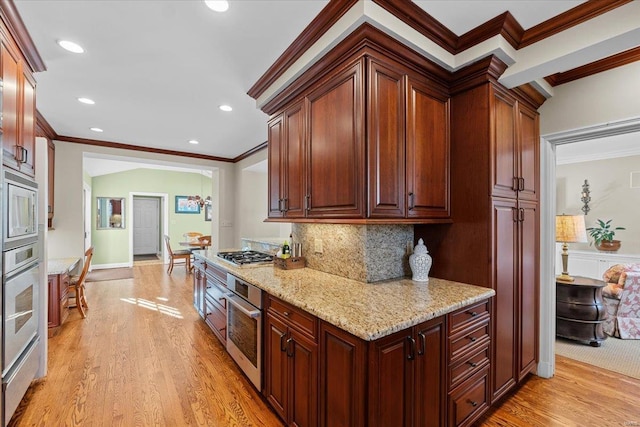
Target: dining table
[(195, 244)]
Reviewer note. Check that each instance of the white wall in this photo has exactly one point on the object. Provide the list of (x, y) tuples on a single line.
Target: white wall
[(66, 239), (611, 197), (252, 202), (604, 97)]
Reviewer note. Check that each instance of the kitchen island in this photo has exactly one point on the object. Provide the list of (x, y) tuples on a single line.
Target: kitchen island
[(343, 352)]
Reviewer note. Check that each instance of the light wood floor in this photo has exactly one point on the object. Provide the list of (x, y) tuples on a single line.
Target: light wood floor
[(143, 357)]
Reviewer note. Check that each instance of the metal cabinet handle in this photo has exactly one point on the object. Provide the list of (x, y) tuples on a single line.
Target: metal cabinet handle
[(423, 343), (521, 184), (473, 339), (472, 364), (411, 201), (412, 348), (26, 155), (307, 202), (515, 183), (473, 403), (514, 212), (282, 345), (290, 347), (279, 205), (285, 203), (286, 313), (472, 313)]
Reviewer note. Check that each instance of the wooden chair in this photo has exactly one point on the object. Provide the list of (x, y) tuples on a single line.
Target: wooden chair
[(205, 241), (76, 285), (173, 255)]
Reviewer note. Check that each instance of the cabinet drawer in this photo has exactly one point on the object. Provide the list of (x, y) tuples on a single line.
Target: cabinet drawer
[(469, 400), (462, 318), (217, 273), (295, 317), (217, 294), (591, 312), (216, 319), (468, 340), (468, 365)]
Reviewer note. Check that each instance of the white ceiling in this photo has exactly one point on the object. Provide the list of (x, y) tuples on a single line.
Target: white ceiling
[(158, 70)]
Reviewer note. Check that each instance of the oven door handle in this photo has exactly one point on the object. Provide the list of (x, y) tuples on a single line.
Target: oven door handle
[(243, 306)]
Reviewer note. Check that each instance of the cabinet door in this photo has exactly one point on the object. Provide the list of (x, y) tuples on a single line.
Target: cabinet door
[(293, 172), (303, 355), (336, 148), (430, 392), (391, 381), (198, 291), (529, 149), (529, 287), (342, 378), (427, 153), (10, 106), (53, 284), (505, 252), (274, 157), (504, 147), (51, 160), (276, 388), (27, 126), (386, 144)]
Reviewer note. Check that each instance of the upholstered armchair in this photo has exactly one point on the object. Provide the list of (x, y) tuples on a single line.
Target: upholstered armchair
[(622, 302)]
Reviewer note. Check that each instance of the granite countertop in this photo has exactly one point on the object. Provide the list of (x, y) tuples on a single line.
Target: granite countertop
[(367, 310), (61, 265)]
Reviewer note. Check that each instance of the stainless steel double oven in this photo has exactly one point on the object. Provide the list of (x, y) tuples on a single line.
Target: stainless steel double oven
[(20, 289)]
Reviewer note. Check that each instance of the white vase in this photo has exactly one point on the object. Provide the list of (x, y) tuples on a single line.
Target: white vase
[(420, 262)]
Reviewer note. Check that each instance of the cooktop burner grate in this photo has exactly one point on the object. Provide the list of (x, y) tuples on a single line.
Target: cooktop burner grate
[(246, 257)]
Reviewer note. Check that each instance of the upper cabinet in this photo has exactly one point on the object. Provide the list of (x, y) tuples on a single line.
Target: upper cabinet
[(368, 141), (18, 111)]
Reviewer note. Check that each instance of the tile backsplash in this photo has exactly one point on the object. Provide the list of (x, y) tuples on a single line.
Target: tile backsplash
[(367, 253)]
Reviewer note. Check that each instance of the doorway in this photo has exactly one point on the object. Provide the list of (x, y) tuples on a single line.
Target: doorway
[(146, 228)]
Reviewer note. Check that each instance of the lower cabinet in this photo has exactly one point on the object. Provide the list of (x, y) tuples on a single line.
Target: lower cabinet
[(291, 364), (210, 297), (406, 377), (58, 301)]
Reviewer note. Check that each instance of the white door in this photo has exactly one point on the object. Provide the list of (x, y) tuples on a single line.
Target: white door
[(146, 225)]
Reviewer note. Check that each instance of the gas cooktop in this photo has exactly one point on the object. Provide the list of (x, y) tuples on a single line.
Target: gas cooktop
[(246, 257)]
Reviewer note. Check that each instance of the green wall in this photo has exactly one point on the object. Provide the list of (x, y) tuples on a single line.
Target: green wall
[(112, 245)]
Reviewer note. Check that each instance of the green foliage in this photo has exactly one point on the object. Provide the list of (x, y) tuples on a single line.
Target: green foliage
[(604, 231)]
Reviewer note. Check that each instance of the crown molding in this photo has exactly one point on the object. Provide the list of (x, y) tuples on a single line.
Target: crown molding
[(251, 152), (605, 64), (18, 30), (602, 130), (43, 128)]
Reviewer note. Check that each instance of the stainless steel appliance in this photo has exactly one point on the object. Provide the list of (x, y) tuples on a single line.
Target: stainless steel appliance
[(20, 318), (20, 201), (240, 258), (20, 289), (244, 327)]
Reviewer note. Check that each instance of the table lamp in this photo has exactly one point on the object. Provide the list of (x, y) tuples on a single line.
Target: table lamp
[(569, 229)]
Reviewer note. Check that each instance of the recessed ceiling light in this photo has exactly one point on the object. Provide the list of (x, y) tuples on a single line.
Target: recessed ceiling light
[(225, 108), (70, 46), (87, 101), (97, 130), (193, 141), (217, 5)]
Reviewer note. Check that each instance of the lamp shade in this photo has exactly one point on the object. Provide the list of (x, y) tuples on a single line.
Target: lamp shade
[(570, 229)]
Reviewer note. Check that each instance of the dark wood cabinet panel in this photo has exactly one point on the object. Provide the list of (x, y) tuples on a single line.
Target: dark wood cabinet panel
[(28, 122), (430, 371), (386, 141), (294, 164), (58, 301), (274, 159), (10, 106), (529, 149), (343, 363), (336, 145), (505, 215), (529, 307), (304, 380), (427, 153), (505, 146), (276, 389)]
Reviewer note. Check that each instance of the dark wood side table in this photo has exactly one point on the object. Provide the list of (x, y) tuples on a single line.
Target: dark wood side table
[(580, 310)]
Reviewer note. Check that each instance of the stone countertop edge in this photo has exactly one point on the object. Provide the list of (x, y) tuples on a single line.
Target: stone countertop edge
[(60, 265), (366, 310)]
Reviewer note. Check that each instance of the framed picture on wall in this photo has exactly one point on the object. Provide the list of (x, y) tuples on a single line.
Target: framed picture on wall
[(207, 212), (186, 206)]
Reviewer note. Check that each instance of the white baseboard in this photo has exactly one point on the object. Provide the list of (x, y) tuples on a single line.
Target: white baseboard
[(105, 266), (545, 370)]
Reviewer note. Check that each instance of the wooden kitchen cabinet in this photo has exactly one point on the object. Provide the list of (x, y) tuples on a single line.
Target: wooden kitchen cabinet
[(291, 363), (287, 163), (51, 160), (209, 297), (495, 212), (58, 301), (407, 377), (408, 144), (18, 111), (199, 285)]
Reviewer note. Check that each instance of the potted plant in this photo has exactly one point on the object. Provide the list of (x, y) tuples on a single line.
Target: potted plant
[(603, 236)]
